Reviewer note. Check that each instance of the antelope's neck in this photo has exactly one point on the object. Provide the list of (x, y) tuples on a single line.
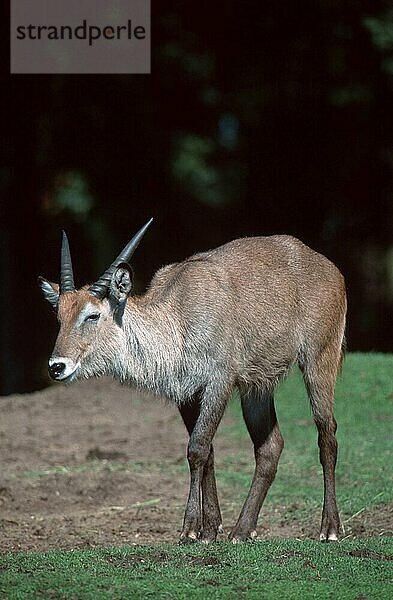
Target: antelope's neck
[(152, 348)]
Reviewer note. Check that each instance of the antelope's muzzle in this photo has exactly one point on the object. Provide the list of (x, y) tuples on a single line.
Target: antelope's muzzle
[(61, 368)]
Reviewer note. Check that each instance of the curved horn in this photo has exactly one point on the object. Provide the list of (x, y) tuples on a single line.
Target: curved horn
[(66, 273), (100, 287)]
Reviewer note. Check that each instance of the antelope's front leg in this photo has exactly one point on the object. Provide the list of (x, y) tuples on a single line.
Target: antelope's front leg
[(192, 523), (199, 454)]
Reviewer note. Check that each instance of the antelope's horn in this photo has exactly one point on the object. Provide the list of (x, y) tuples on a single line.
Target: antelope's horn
[(66, 272), (100, 287)]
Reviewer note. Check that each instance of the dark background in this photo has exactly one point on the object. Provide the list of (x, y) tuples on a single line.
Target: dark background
[(258, 118)]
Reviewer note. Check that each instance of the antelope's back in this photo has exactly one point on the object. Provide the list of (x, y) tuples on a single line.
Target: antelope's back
[(263, 298)]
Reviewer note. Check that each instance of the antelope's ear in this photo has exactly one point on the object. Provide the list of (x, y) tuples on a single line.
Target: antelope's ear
[(50, 291), (121, 283)]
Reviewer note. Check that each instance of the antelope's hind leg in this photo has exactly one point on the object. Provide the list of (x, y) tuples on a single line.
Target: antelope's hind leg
[(260, 417), (206, 526), (320, 374)]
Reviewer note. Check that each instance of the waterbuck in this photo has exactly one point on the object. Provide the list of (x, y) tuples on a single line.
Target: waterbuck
[(237, 316)]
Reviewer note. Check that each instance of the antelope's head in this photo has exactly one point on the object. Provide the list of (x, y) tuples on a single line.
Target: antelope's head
[(90, 318)]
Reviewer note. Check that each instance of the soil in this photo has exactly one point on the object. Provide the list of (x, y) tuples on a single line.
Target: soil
[(96, 464)]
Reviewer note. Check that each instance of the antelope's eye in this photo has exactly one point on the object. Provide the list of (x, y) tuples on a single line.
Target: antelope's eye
[(92, 317)]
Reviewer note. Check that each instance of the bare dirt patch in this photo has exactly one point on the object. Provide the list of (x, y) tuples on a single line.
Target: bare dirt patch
[(96, 464)]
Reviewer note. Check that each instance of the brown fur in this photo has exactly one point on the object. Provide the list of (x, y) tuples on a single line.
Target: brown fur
[(237, 316)]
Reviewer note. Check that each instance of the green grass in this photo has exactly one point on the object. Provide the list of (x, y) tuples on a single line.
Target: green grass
[(354, 569)]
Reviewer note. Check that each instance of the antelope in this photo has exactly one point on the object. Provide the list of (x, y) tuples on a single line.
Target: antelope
[(239, 316)]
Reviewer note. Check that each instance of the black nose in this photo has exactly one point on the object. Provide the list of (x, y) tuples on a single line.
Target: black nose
[(56, 369)]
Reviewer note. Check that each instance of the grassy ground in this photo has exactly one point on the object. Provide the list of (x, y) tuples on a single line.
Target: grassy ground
[(294, 569), (354, 569)]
